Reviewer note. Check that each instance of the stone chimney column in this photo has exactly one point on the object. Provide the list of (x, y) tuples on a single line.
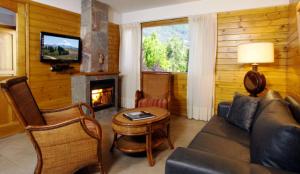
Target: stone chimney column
[(94, 35)]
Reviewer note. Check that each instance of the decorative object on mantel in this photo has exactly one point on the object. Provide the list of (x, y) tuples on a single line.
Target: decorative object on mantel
[(254, 53)]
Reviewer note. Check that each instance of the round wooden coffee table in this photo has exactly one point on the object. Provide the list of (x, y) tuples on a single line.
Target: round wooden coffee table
[(142, 135)]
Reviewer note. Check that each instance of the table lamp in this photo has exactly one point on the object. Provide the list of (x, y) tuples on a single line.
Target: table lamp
[(255, 53)]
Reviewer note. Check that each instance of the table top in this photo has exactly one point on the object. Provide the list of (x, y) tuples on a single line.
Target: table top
[(160, 114)]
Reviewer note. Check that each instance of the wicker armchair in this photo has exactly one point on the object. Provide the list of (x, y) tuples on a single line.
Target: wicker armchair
[(65, 139), (155, 90)]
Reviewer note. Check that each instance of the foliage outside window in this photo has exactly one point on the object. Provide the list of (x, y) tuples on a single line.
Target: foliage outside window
[(165, 48)]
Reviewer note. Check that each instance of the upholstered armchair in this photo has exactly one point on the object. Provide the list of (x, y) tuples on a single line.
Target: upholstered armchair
[(155, 90), (65, 139)]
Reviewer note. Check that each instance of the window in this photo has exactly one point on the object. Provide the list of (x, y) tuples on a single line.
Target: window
[(7, 42), (165, 47), (7, 52)]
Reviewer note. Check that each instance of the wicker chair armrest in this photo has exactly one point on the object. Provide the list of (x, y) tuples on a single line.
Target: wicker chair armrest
[(82, 120), (77, 105), (53, 126), (89, 109)]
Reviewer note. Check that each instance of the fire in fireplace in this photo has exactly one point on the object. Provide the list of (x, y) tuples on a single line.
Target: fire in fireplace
[(102, 94)]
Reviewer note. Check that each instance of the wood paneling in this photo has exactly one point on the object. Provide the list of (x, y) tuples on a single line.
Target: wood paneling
[(179, 94), (293, 73), (255, 25), (113, 47), (50, 89)]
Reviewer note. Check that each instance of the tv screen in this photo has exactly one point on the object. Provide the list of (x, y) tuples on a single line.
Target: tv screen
[(57, 48)]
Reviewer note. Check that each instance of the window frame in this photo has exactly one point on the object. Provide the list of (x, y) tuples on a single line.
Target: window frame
[(158, 23)]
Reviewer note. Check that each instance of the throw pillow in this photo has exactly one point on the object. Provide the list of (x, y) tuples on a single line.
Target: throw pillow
[(275, 138), (242, 111)]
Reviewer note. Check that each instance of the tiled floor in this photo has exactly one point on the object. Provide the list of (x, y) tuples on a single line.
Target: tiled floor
[(17, 155)]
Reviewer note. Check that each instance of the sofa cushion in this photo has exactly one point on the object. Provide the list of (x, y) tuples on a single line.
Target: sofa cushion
[(294, 107), (220, 146), (242, 111), (275, 138), (219, 126), (265, 100)]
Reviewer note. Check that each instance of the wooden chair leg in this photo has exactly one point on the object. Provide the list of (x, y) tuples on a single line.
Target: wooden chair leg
[(100, 161), (114, 142), (102, 171), (169, 137), (149, 149)]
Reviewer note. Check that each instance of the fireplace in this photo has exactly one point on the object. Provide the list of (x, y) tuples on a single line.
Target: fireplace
[(102, 94), (99, 90)]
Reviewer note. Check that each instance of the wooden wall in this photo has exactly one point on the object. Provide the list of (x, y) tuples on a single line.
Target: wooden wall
[(256, 25), (50, 89), (113, 47), (293, 73), (179, 94)]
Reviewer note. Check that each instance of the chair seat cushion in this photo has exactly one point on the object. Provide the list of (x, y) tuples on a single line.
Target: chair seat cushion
[(150, 102), (220, 146), (220, 127)]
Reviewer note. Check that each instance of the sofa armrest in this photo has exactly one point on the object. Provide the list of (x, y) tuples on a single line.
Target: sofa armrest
[(190, 161), (223, 109)]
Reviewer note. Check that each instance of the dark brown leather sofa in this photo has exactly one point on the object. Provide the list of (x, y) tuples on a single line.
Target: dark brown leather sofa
[(222, 148)]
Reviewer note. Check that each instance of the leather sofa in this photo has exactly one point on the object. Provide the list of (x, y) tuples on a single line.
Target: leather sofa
[(222, 148)]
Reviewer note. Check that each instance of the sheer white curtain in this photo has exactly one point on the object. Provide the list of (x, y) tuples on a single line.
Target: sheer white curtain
[(201, 69), (130, 55)]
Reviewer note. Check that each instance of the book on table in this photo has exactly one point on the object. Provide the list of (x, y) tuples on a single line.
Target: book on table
[(140, 115)]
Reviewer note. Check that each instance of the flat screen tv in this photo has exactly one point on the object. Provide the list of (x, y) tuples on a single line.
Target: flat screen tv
[(57, 48)]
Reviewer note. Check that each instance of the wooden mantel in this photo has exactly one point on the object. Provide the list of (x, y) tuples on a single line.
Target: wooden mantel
[(96, 73)]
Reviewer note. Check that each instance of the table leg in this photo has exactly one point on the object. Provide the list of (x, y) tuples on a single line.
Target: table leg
[(169, 137), (149, 149), (114, 142)]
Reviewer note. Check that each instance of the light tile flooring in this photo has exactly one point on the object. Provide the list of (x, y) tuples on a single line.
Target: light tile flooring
[(17, 155)]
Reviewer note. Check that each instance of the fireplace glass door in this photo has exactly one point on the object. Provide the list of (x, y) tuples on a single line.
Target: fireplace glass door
[(102, 94)]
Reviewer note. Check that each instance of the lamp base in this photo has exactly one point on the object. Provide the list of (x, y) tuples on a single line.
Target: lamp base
[(254, 82), (255, 67)]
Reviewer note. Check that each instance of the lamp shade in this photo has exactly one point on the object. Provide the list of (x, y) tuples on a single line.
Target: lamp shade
[(262, 52)]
